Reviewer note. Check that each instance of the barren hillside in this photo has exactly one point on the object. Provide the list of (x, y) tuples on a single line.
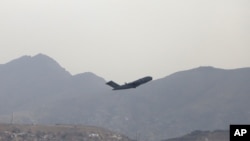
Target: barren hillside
[(14, 132)]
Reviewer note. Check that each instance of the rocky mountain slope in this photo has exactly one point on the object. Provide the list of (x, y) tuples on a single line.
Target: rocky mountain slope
[(14, 132), (218, 135), (38, 90)]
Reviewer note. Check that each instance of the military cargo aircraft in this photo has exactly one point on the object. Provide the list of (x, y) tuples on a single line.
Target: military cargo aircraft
[(133, 84)]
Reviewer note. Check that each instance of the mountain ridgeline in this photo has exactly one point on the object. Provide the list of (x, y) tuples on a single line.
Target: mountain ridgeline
[(218, 135), (38, 90)]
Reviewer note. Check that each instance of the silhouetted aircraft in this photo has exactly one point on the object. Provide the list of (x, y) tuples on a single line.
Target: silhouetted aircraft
[(133, 84)]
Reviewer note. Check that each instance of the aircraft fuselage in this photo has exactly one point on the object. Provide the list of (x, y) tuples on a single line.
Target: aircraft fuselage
[(130, 85)]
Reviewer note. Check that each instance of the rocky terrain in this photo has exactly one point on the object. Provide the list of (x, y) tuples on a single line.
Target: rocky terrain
[(15, 132), (218, 135)]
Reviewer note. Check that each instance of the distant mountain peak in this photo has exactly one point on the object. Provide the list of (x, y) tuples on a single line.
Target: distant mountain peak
[(28, 58), (38, 64), (89, 76), (206, 67), (20, 59), (41, 56)]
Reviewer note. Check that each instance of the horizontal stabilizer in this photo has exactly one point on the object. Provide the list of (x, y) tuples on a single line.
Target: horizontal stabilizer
[(113, 84)]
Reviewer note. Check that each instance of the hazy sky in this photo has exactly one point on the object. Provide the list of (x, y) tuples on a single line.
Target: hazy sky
[(127, 39)]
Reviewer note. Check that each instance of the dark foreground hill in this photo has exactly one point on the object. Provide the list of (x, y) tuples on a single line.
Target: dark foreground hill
[(37, 90), (218, 135), (16, 132)]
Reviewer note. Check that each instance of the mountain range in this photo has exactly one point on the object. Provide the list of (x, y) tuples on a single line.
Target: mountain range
[(37, 90)]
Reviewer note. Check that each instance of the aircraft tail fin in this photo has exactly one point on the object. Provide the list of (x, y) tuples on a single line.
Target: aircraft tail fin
[(113, 84)]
